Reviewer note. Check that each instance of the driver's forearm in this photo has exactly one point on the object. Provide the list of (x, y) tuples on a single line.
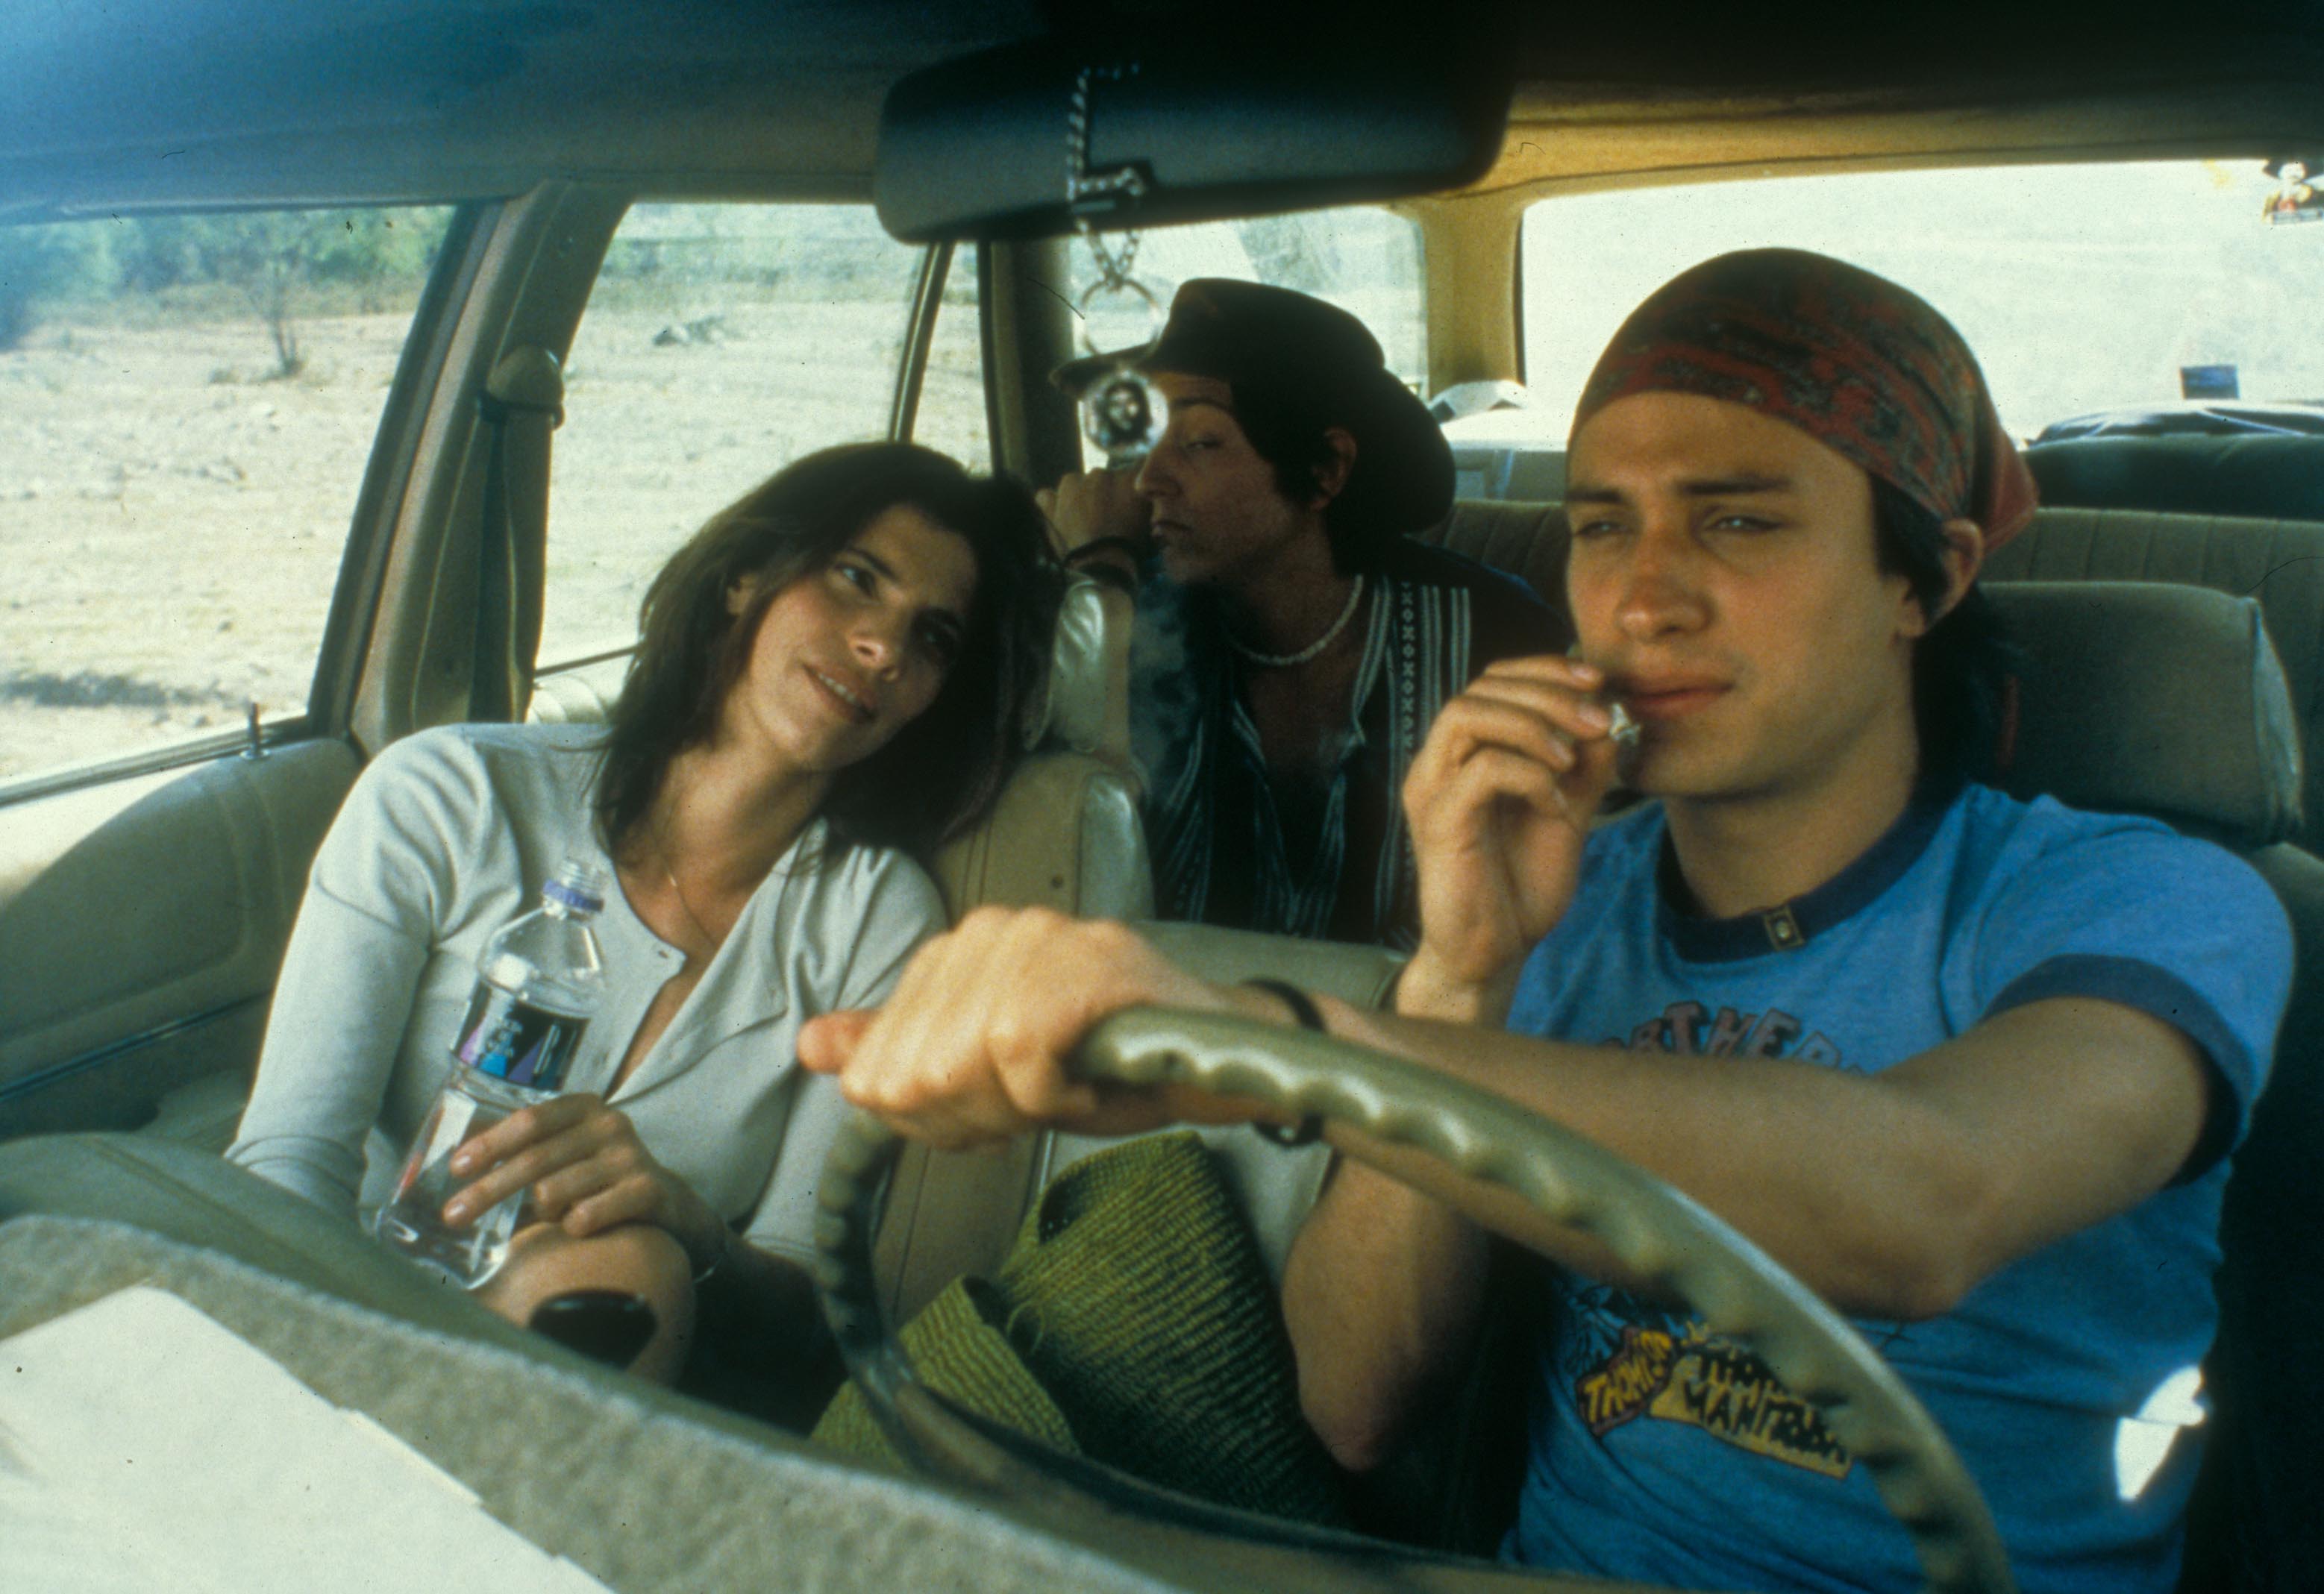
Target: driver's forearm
[(1381, 1295), (1759, 1142)]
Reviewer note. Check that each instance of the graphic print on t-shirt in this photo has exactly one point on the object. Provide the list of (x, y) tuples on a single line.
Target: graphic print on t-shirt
[(1636, 1362), (1629, 1360), (1694, 1029)]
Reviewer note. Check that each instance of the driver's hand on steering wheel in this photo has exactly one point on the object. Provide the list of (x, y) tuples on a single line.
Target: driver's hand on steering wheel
[(972, 1045)]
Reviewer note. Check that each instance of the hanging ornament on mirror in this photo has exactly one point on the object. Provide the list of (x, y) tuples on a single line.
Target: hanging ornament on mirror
[(1122, 413)]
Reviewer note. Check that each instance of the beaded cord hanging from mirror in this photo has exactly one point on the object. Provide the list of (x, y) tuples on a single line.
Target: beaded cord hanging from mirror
[(1121, 411)]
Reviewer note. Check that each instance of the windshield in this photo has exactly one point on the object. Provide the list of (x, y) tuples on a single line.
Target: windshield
[(2080, 288)]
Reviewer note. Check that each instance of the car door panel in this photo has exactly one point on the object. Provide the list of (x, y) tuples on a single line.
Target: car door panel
[(140, 922), (144, 910)]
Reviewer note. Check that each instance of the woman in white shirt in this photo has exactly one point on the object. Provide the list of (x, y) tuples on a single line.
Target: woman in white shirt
[(831, 672)]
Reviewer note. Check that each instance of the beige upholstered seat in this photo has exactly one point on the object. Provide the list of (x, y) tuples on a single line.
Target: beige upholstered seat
[(2279, 563)]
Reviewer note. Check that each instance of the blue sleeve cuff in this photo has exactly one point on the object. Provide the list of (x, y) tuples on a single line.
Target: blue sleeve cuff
[(2230, 1072)]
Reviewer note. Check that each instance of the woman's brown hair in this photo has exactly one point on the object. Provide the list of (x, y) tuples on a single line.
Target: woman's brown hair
[(940, 771)]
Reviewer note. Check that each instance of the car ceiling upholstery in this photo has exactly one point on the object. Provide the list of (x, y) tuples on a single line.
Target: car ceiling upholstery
[(391, 99), (456, 98)]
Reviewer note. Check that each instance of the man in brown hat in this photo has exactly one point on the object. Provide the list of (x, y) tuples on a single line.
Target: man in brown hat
[(1294, 643)]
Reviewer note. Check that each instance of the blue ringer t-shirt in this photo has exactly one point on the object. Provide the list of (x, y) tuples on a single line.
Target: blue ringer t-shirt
[(1662, 1454)]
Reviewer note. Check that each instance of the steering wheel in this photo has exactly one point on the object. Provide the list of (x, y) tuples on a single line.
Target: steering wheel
[(1658, 1233)]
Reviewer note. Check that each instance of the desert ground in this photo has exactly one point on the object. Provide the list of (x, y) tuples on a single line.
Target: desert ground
[(173, 517)]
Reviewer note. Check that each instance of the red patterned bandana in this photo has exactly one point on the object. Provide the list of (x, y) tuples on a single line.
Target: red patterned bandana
[(1858, 364)]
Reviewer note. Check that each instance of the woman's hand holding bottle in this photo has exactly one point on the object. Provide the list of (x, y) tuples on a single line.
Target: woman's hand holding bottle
[(587, 1171)]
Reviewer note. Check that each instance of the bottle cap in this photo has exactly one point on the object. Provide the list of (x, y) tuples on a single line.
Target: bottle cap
[(578, 884)]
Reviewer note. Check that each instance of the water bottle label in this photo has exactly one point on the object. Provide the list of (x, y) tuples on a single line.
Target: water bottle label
[(515, 1041)]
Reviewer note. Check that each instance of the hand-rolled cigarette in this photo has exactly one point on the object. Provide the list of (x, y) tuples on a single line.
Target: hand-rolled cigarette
[(1624, 730)]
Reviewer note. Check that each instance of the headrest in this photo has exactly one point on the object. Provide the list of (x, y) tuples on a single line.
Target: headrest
[(1083, 703), (2150, 698), (1527, 539), (2274, 475)]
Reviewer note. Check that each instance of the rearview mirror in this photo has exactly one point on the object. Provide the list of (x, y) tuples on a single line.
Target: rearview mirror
[(979, 147)]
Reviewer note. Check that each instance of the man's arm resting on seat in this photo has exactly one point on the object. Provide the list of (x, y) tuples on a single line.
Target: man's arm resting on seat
[(1890, 1195)]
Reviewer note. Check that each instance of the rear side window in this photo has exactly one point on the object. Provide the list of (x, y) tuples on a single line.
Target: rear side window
[(2080, 288), (721, 343), (190, 404), (951, 418)]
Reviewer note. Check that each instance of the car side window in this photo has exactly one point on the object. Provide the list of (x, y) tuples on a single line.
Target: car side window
[(722, 342), (191, 402), (952, 414)]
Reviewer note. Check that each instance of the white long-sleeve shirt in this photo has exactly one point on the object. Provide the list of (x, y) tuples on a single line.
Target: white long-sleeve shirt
[(447, 836)]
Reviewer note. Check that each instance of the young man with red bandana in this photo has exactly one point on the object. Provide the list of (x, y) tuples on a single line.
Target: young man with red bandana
[(1968, 1067)]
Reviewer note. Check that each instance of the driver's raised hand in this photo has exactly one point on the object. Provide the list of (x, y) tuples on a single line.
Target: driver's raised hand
[(972, 1047), (1500, 801), (1090, 504)]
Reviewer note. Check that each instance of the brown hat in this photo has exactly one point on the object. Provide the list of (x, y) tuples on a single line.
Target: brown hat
[(1286, 350)]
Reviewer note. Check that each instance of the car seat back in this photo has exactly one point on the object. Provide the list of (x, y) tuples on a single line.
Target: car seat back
[(2169, 700), (1064, 833), (2279, 562), (1525, 538), (2258, 474)]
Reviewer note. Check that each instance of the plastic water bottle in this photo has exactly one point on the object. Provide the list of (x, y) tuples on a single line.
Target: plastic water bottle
[(537, 986)]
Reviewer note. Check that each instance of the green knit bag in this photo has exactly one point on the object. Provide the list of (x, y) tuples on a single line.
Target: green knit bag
[(1133, 1322), (958, 1347)]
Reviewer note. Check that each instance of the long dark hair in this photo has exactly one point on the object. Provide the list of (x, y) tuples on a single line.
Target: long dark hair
[(1287, 421), (937, 772), (1961, 664)]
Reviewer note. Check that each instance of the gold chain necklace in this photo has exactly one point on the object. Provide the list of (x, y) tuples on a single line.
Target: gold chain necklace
[(669, 873)]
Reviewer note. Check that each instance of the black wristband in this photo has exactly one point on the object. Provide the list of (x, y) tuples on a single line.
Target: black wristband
[(1309, 1128), (1303, 1006)]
